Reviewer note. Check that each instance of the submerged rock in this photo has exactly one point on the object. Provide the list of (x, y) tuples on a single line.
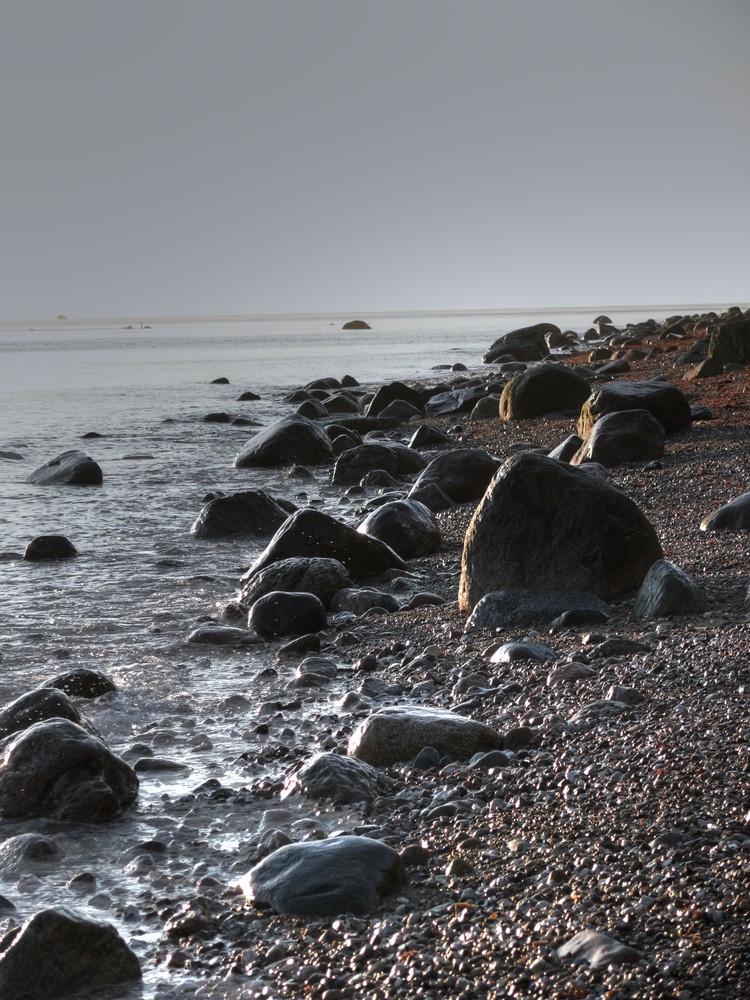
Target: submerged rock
[(49, 547), (73, 468)]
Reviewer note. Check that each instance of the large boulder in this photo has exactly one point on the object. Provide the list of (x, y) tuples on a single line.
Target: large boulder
[(730, 343), (325, 878), (407, 526), (352, 465), (250, 512), (391, 392), (732, 516), (525, 344), (463, 474), (663, 400), (543, 389), (59, 953), (310, 532), (278, 614), (289, 440), (667, 590), (334, 777), (35, 706), (81, 682), (545, 525), (49, 547), (56, 770), (625, 436), (73, 468), (315, 575), (398, 734)]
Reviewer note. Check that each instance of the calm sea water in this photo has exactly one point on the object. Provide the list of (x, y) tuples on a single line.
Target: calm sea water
[(127, 603)]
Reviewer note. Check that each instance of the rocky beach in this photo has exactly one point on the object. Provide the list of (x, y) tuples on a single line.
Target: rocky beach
[(540, 794)]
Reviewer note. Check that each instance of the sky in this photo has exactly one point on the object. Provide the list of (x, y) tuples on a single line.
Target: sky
[(233, 157)]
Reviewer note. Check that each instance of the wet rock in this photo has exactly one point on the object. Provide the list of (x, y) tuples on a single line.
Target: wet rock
[(57, 770), (598, 950), (407, 526), (526, 606), (358, 600), (59, 952), (463, 474), (402, 411), (27, 852), (545, 388), (313, 533), (625, 436), (525, 344), (353, 464), (463, 400), (216, 634), (331, 776), (288, 440), (311, 575), (663, 400), (427, 436), (545, 525), (314, 671), (666, 591), (325, 878), (74, 468), (81, 682), (733, 516), (399, 733), (510, 652), (251, 512), (283, 613), (567, 448), (356, 324), (392, 392), (49, 547), (35, 706)]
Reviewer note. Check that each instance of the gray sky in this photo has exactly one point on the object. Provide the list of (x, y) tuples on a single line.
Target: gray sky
[(236, 156)]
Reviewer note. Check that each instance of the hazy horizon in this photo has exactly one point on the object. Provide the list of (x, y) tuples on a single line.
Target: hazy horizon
[(246, 158)]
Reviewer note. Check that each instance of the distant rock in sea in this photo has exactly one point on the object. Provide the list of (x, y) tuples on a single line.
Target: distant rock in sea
[(356, 324)]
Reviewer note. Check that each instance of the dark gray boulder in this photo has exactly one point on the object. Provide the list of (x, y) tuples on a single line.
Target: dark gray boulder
[(432, 497), (526, 344), (511, 652), (732, 516), (526, 606), (356, 324), (461, 400), (57, 770), (667, 591), (625, 436), (336, 778), (545, 525), (407, 526), (663, 400), (427, 436), (28, 852), (325, 878), (398, 733), (543, 389), (598, 950), (218, 634), (81, 682), (59, 953), (311, 575), (730, 343), (73, 468), (463, 474), (35, 706), (49, 547), (250, 512), (288, 440), (279, 614), (353, 464), (358, 600), (402, 411), (310, 532), (391, 392), (567, 448)]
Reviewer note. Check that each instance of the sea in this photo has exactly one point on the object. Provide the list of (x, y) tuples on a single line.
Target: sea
[(140, 583)]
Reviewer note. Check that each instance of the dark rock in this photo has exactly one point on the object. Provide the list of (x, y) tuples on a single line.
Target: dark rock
[(510, 652), (316, 575), (579, 616), (81, 682), (545, 525), (454, 401), (407, 526), (598, 950), (387, 394), (27, 852), (49, 547), (523, 606), (429, 437), (667, 591), (352, 464), (59, 953), (73, 468), (251, 512), (706, 368), (402, 411), (663, 400), (625, 436), (358, 600), (543, 389), (221, 380), (431, 496), (309, 643), (331, 776), (341, 402), (427, 759), (312, 409), (217, 418), (730, 343), (57, 770), (567, 448), (399, 733), (247, 396), (216, 634), (289, 440), (463, 474), (282, 613), (325, 878), (312, 533), (526, 344), (733, 516), (35, 706), (356, 324)]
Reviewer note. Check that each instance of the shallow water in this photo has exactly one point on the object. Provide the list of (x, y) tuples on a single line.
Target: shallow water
[(126, 604)]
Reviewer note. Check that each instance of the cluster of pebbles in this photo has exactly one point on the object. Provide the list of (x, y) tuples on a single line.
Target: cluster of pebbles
[(602, 851)]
